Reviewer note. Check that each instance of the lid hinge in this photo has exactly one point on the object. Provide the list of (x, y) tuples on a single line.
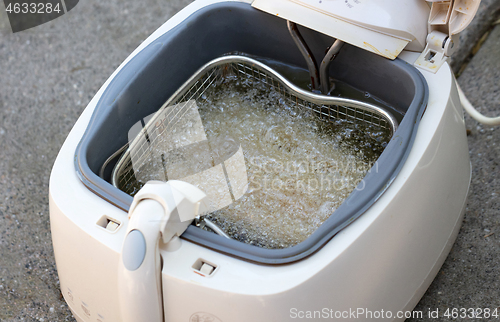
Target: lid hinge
[(439, 47), (446, 19)]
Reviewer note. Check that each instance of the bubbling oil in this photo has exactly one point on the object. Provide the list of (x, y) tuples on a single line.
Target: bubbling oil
[(292, 169), (299, 167)]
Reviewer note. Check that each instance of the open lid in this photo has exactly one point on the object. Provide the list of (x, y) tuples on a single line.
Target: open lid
[(384, 27)]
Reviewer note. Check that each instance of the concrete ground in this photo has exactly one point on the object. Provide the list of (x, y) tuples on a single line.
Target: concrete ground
[(48, 74)]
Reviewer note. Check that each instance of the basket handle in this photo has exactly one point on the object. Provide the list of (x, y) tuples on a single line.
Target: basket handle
[(160, 212)]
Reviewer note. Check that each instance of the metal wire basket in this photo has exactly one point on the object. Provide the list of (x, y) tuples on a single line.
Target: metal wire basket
[(327, 108)]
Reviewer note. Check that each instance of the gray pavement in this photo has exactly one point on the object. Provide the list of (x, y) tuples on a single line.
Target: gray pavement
[(48, 74), (486, 15)]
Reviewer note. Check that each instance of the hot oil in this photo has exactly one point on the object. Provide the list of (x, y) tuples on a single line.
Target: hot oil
[(273, 171), (299, 168)]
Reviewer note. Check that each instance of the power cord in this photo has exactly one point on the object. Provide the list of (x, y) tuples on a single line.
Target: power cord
[(474, 113)]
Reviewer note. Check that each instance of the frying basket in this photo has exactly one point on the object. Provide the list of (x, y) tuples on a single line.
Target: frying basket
[(327, 108)]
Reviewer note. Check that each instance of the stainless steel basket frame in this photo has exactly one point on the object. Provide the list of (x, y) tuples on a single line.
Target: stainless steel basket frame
[(326, 107)]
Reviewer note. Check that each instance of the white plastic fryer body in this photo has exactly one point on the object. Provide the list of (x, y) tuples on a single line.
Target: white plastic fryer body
[(385, 259)]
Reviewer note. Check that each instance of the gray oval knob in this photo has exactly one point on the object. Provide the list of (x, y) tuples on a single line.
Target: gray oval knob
[(134, 250)]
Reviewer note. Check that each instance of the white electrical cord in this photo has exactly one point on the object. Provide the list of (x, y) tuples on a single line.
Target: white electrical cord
[(474, 113)]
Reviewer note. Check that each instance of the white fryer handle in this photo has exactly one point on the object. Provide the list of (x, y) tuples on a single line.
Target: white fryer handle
[(160, 211)]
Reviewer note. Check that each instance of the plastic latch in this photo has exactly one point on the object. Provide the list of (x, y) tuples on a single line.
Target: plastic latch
[(204, 268), (207, 269), (112, 226)]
